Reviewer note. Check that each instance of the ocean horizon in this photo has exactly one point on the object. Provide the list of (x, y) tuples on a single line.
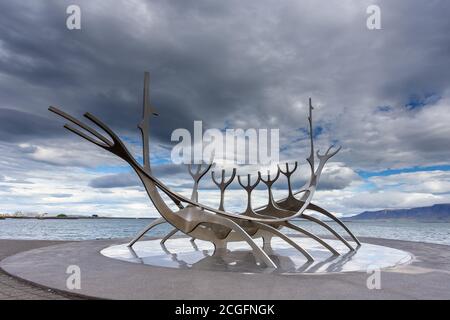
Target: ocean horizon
[(111, 228)]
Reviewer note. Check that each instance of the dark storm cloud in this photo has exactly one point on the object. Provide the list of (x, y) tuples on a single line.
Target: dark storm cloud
[(92, 69), (119, 180), (19, 126), (130, 179), (247, 64)]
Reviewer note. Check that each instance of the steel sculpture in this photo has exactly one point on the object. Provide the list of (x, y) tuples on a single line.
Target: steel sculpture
[(219, 226)]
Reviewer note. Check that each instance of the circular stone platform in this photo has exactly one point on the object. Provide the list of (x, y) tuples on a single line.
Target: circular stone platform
[(181, 253), (425, 276)]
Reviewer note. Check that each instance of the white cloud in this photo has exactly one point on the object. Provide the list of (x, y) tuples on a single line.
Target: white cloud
[(436, 182)]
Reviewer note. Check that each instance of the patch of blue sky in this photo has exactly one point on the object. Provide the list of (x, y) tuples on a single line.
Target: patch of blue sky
[(160, 160), (304, 136), (366, 186), (303, 131), (317, 131), (418, 101), (132, 140), (110, 169), (284, 147), (126, 168), (227, 125), (367, 174), (154, 160)]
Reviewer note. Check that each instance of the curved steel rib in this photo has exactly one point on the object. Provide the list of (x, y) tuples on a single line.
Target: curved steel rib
[(316, 208), (170, 234), (146, 229), (271, 229), (312, 236), (245, 236)]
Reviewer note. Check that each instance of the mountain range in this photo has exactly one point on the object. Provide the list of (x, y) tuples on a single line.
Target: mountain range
[(437, 212)]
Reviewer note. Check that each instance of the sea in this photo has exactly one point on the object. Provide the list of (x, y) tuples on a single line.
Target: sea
[(88, 229)]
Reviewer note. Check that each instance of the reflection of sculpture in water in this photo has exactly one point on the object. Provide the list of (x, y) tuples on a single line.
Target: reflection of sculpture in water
[(218, 225), (239, 260)]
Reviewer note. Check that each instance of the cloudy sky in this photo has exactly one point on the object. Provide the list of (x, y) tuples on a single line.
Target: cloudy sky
[(384, 95)]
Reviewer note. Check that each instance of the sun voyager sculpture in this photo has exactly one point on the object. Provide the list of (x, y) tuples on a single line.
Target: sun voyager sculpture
[(216, 225)]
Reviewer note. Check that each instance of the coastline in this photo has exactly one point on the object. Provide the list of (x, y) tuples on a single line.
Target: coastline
[(75, 218), (345, 220)]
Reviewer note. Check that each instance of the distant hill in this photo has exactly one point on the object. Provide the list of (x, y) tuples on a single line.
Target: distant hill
[(437, 212)]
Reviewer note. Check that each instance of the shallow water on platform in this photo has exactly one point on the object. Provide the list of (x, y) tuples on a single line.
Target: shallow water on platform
[(85, 229), (180, 253)]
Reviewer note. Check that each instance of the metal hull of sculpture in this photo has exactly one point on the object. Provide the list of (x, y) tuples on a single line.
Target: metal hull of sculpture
[(217, 225)]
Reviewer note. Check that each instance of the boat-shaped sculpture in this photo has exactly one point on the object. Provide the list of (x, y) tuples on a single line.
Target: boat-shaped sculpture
[(217, 225)]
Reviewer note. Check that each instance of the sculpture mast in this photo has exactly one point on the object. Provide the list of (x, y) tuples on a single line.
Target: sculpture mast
[(310, 159), (147, 110)]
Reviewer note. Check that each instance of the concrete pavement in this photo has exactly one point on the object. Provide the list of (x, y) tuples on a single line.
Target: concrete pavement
[(14, 289), (427, 277)]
